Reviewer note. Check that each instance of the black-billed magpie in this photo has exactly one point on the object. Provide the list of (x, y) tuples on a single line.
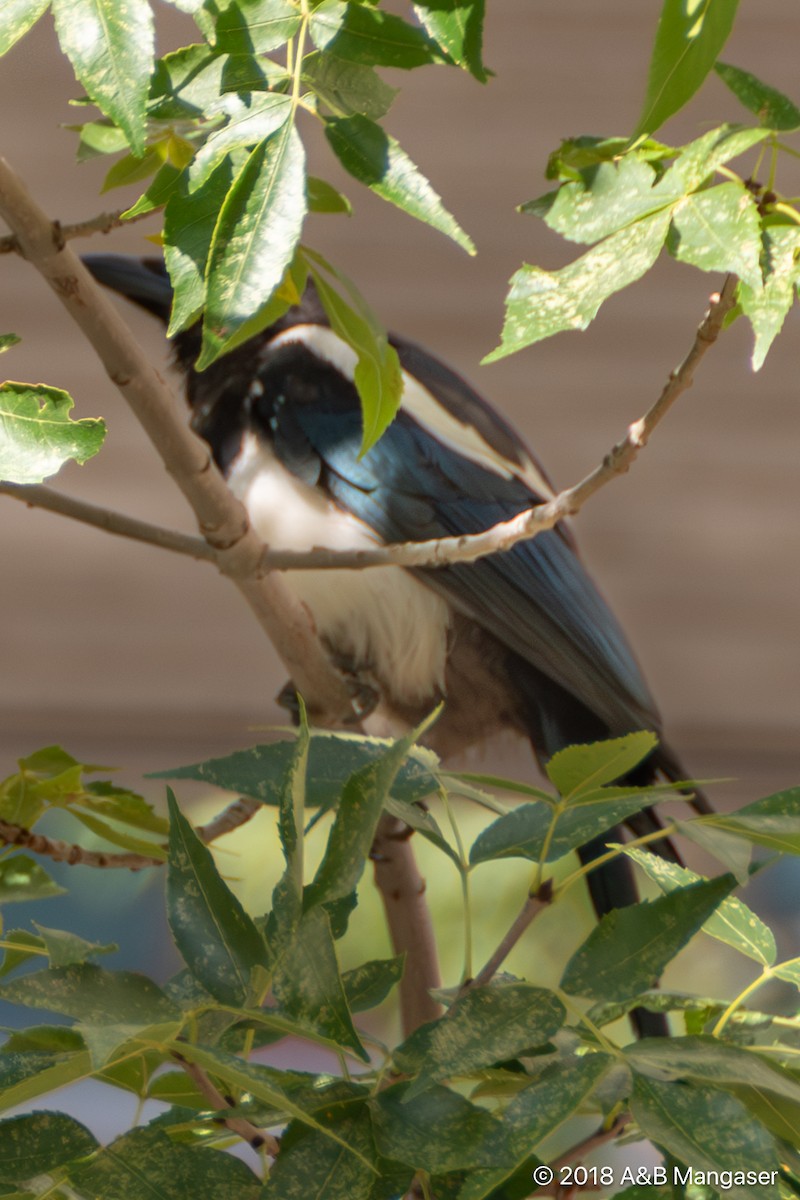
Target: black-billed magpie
[(520, 640)]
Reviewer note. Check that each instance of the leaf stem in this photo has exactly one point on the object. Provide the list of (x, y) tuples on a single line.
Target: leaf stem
[(737, 1001)]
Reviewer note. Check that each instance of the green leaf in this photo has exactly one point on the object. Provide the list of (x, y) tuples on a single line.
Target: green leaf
[(189, 223), (217, 939), (254, 26), (368, 986), (712, 1062), (697, 161), (733, 922), (64, 948), (18, 17), (773, 109), (576, 769), (734, 853), (689, 38), (187, 83), (485, 1026), (719, 230), (89, 993), (533, 829), (347, 88), (255, 238), (766, 306), (366, 35), (40, 1143), (604, 199), (631, 946), (96, 138), (165, 183), (24, 1076), (308, 986), (110, 45), (7, 340), (37, 435), (312, 1167), (22, 878), (171, 1171), (324, 198), (287, 897), (542, 303), (773, 822), (537, 1111), (457, 26), (18, 946), (353, 831), (440, 1131), (120, 804), (789, 970), (575, 155), (375, 159), (376, 370), (133, 168), (252, 118), (707, 1130)]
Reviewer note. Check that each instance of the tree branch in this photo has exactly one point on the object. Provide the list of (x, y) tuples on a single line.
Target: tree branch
[(222, 519), (102, 223), (436, 552), (530, 910), (245, 1129)]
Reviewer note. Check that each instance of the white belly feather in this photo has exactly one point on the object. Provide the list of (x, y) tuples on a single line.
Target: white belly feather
[(382, 617)]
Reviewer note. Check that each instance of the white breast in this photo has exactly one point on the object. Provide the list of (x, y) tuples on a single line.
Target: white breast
[(382, 618)]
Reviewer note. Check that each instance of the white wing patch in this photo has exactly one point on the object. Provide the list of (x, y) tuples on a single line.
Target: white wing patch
[(382, 618), (420, 404)]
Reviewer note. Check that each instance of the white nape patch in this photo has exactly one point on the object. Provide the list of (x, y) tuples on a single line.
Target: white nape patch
[(426, 410), (382, 618)]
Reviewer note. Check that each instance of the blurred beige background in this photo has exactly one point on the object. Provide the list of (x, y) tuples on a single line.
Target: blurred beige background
[(127, 655)]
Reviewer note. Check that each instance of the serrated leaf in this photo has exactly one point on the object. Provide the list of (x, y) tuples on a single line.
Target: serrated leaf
[(766, 306), (37, 435), (457, 26), (361, 34), (309, 988), (261, 771), (63, 948), (111, 47), (688, 41), (90, 993), (252, 117), (536, 1112), (773, 822), (719, 229), (378, 161), (631, 946), (255, 238), (541, 303), (216, 937), (189, 223), (773, 109), (578, 768), (312, 1167), (376, 371), (347, 88), (353, 830), (40, 1143), (368, 986), (254, 26), (18, 17), (707, 1130), (532, 830), (604, 199), (24, 1076), (22, 878), (733, 922), (712, 1062), (439, 1132), (485, 1026), (173, 1171)]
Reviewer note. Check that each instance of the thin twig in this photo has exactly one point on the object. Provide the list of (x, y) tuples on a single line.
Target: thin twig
[(436, 552), (231, 818), (102, 223), (530, 910), (244, 1129)]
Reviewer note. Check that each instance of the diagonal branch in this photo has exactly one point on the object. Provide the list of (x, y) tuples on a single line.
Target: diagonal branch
[(436, 552)]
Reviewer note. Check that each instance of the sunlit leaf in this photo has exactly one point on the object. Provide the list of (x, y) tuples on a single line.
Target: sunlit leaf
[(773, 109), (37, 435)]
